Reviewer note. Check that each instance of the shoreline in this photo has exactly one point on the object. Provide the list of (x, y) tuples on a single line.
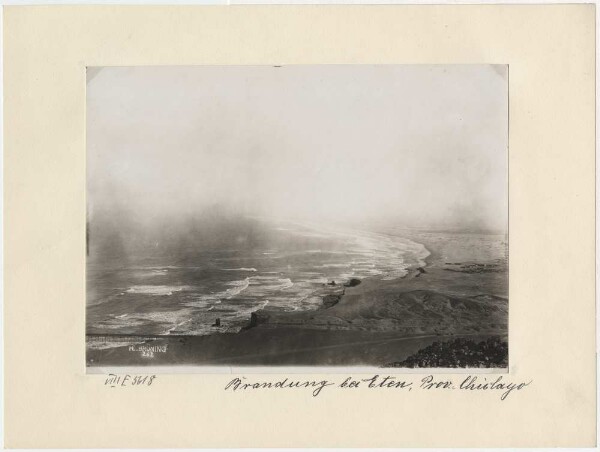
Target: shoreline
[(374, 322), (330, 300)]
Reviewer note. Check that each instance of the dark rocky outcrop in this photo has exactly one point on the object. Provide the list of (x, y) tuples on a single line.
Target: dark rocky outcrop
[(353, 282), (258, 317), (331, 300), (460, 352)]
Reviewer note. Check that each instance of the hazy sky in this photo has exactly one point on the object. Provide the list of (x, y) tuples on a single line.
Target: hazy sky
[(417, 145)]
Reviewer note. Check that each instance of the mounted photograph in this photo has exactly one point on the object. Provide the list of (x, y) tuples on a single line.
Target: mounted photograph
[(343, 216)]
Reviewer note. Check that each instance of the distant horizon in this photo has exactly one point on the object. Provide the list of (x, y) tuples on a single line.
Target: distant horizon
[(416, 145)]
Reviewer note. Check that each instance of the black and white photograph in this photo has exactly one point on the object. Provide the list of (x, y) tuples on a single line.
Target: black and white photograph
[(297, 215)]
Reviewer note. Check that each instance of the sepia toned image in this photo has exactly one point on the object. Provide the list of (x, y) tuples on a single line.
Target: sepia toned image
[(323, 215)]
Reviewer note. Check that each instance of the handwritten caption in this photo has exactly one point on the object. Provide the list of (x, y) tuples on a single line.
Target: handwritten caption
[(469, 383)]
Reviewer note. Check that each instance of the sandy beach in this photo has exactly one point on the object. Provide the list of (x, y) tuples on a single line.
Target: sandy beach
[(460, 292)]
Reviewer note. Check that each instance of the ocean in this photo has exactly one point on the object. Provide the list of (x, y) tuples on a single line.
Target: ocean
[(170, 295)]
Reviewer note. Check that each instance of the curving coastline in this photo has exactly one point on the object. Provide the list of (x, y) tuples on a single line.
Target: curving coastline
[(374, 322), (332, 293)]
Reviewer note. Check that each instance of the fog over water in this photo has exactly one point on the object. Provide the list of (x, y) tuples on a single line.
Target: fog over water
[(174, 151)]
